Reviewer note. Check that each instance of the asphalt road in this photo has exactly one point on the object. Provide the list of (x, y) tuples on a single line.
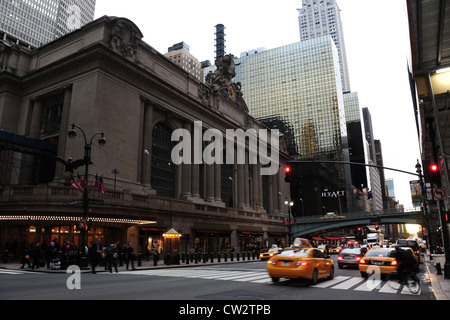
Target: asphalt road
[(231, 282)]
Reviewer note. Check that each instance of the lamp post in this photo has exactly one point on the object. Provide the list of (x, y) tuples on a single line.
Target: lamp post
[(87, 159), (147, 153), (289, 203)]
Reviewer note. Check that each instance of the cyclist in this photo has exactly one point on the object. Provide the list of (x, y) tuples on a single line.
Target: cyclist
[(406, 264)]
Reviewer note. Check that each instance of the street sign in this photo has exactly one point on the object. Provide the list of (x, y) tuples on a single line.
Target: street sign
[(76, 202), (82, 223), (79, 202), (439, 194)]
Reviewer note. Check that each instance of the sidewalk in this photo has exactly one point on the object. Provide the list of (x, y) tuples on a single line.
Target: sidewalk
[(145, 265), (440, 285)]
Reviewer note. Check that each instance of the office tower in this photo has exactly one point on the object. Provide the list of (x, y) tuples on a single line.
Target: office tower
[(39, 22), (356, 140), (322, 17), (220, 41), (179, 54), (390, 188), (300, 83)]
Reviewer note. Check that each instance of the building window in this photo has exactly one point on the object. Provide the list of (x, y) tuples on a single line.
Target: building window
[(163, 169)]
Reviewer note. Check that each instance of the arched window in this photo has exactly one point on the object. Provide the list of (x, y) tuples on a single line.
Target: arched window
[(163, 169)]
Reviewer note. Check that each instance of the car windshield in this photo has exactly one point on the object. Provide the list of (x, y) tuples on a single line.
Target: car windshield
[(296, 253), (321, 247), (380, 253), (273, 250), (353, 250)]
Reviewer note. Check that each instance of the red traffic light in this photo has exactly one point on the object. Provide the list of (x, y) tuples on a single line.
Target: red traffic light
[(287, 171), (434, 167)]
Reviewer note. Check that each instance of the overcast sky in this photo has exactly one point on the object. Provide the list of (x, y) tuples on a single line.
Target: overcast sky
[(376, 39)]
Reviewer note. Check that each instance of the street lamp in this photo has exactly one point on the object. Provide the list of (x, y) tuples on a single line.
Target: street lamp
[(87, 160), (147, 153), (289, 203)]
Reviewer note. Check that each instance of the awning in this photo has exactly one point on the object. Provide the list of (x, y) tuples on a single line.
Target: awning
[(318, 238), (333, 238)]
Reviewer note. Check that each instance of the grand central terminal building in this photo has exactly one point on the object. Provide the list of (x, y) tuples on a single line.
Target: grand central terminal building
[(103, 83)]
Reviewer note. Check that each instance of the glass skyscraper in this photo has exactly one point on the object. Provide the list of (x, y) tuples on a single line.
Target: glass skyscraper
[(301, 84), (37, 22), (321, 17)]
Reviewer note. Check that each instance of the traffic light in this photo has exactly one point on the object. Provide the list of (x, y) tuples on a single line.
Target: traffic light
[(434, 168), (287, 174), (435, 176)]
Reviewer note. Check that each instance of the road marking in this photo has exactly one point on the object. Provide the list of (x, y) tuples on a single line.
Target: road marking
[(338, 282), (348, 284), (14, 272), (329, 283), (369, 285), (390, 287)]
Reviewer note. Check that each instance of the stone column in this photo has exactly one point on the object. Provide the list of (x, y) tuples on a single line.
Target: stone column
[(147, 143), (240, 186), (209, 182), (217, 182), (63, 129), (186, 175), (255, 186)]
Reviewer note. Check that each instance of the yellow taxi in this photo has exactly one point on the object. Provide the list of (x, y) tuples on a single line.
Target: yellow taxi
[(337, 249), (269, 254), (380, 260), (300, 263)]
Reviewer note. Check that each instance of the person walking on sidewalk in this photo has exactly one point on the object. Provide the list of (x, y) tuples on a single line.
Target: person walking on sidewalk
[(113, 255), (26, 257), (94, 255), (36, 253), (130, 255)]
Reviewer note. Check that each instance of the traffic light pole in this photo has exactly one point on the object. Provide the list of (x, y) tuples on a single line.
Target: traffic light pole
[(445, 235)]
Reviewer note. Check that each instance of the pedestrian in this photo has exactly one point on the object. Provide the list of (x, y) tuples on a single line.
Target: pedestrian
[(105, 255), (94, 254), (113, 255), (36, 254), (26, 256), (130, 255), (51, 253)]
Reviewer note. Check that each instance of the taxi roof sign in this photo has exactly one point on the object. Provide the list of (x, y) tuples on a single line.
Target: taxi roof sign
[(301, 242)]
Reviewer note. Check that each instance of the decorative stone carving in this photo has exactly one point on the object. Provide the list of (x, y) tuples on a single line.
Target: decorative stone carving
[(220, 81), (125, 37)]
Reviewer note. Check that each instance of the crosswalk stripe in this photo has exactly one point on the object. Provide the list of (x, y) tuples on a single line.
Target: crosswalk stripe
[(407, 291), (256, 277), (264, 280), (348, 284), (338, 282), (329, 283), (369, 285), (390, 288)]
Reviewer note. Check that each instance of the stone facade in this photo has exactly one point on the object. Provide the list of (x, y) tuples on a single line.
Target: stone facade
[(104, 78)]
